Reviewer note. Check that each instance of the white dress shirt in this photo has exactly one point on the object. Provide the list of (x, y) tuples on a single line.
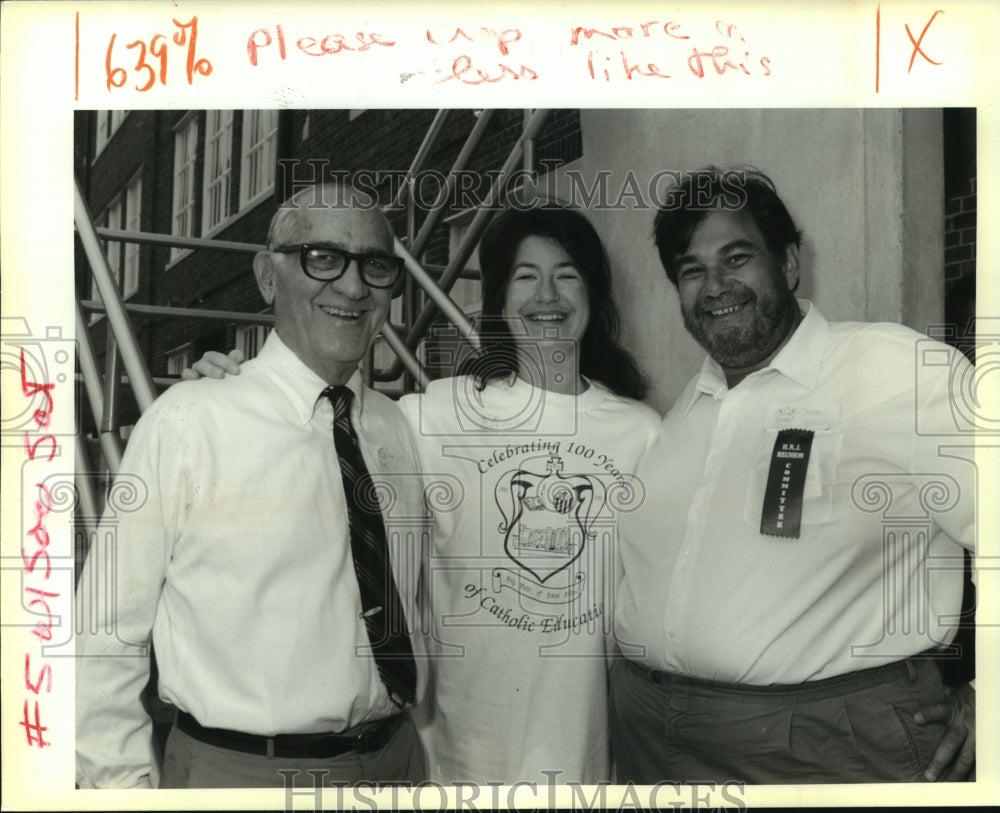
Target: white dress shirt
[(235, 558), (876, 572)]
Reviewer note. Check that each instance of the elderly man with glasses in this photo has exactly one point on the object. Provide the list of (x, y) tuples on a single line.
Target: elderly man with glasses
[(270, 558)]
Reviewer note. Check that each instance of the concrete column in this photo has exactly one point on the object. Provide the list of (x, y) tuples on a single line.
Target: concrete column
[(903, 234)]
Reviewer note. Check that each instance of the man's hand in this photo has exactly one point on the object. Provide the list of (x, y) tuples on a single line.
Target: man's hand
[(955, 758), (214, 365)]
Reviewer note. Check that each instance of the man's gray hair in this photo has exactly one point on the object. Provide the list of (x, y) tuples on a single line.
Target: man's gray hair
[(326, 195)]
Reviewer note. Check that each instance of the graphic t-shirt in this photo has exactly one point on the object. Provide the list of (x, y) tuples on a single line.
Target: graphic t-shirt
[(526, 487)]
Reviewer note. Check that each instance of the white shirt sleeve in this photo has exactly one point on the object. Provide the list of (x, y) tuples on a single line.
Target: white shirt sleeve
[(944, 440), (114, 734)]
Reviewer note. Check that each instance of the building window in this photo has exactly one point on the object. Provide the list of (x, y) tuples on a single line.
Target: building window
[(250, 338), (108, 121), (218, 166), (260, 136), (178, 360), (112, 219), (123, 258), (185, 154), (131, 222)]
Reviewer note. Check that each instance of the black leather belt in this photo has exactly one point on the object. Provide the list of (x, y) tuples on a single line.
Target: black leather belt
[(297, 746), (830, 687)]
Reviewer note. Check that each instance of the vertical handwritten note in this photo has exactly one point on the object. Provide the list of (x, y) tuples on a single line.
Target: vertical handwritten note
[(39, 446)]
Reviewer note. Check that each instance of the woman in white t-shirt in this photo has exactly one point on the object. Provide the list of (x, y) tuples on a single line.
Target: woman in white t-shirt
[(528, 459)]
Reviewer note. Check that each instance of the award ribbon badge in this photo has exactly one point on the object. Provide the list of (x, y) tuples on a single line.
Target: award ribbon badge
[(786, 480)]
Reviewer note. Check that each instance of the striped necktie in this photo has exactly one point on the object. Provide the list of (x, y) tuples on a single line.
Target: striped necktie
[(382, 609)]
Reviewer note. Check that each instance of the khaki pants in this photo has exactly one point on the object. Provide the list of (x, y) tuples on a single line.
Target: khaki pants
[(190, 763), (852, 728)]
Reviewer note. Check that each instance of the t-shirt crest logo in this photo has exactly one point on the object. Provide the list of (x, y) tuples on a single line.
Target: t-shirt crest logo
[(547, 518)]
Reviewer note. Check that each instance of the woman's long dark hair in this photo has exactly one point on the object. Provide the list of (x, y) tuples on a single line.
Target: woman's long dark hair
[(600, 356)]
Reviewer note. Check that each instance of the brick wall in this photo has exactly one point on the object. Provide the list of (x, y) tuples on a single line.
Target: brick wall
[(960, 145), (960, 234)]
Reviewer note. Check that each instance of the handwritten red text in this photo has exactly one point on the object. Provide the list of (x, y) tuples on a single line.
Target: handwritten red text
[(503, 39), (485, 70), (35, 557), (327, 45), (726, 51), (465, 72), (625, 32), (917, 43), (151, 58)]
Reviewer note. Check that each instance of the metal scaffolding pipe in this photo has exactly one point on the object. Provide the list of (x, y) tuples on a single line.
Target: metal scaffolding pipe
[(468, 148), (478, 225), (190, 313), (111, 446), (89, 369), (149, 238), (469, 240), (108, 421), (430, 286), (426, 146), (142, 384), (406, 358), (437, 270), (447, 305), (529, 145), (86, 506)]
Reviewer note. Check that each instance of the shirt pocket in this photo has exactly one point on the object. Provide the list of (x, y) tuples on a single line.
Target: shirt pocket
[(400, 493), (821, 473)]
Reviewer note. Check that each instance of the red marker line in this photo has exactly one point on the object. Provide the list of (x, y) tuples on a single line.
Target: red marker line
[(878, 42), (76, 72)]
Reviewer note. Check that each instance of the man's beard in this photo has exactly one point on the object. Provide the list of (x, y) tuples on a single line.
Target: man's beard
[(745, 344)]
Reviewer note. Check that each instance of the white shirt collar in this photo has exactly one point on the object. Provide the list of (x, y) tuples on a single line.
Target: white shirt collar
[(301, 385), (799, 360)]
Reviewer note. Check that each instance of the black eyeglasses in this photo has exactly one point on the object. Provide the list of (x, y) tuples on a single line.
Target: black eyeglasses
[(325, 263)]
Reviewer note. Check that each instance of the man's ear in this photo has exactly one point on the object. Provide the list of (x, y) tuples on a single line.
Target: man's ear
[(790, 267), (263, 269)]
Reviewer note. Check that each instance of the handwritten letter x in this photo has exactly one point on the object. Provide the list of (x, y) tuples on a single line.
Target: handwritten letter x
[(916, 42)]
